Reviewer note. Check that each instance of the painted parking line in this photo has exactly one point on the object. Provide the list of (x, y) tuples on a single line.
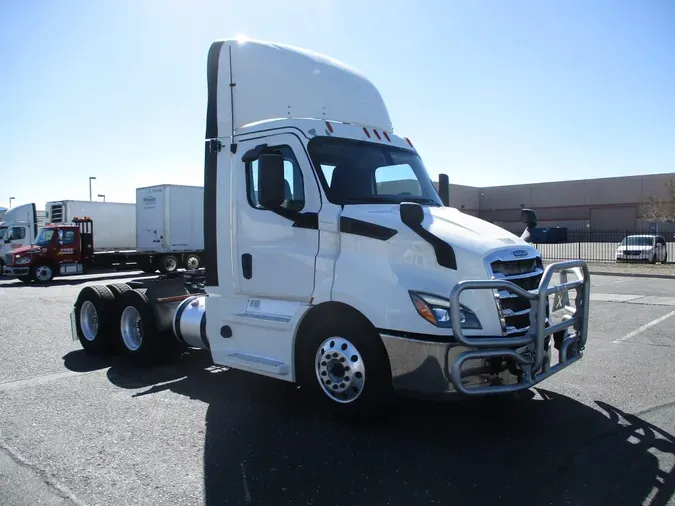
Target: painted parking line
[(643, 328)]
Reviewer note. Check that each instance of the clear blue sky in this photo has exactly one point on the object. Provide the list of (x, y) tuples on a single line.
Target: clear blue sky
[(490, 92)]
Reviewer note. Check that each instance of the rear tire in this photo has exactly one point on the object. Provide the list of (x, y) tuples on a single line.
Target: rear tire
[(93, 319), (168, 263), (192, 262), (344, 364), (139, 339)]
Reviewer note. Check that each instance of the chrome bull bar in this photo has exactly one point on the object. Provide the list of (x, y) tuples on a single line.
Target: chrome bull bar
[(532, 361)]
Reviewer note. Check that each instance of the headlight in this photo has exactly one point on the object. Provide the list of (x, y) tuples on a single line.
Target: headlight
[(22, 260), (436, 310)]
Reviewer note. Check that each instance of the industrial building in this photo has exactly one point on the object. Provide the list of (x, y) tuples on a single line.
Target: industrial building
[(615, 203)]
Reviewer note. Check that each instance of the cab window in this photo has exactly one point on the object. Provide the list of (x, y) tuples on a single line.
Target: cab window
[(66, 237), (293, 182), (16, 233)]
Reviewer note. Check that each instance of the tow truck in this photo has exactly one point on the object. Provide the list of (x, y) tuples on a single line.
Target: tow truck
[(330, 259)]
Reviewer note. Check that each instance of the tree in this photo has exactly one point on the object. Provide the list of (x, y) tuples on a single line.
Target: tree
[(660, 210)]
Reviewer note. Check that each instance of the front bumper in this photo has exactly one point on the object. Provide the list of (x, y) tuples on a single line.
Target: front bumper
[(16, 270), (500, 364)]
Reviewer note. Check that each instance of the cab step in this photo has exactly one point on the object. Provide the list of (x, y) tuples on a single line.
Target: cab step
[(260, 363)]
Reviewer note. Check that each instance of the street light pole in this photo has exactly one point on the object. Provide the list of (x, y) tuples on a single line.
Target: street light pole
[(10, 201), (101, 196), (90, 178)]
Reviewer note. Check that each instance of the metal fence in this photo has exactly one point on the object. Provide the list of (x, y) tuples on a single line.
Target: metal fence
[(598, 246)]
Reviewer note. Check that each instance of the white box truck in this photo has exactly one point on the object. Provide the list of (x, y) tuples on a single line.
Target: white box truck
[(170, 220), (315, 274)]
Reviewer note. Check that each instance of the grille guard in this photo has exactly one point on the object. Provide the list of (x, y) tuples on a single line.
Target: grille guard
[(533, 362)]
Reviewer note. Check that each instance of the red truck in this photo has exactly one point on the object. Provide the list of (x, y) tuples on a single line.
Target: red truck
[(68, 248)]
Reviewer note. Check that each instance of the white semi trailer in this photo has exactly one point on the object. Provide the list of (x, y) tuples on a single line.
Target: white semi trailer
[(318, 272)]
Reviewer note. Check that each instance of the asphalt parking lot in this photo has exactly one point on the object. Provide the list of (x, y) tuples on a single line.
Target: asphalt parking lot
[(79, 430)]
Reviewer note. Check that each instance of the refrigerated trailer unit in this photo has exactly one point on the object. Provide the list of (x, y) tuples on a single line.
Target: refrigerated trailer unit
[(115, 228), (316, 274), (170, 220)]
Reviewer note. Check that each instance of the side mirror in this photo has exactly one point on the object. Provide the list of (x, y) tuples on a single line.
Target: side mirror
[(529, 217), (412, 214), (271, 181)]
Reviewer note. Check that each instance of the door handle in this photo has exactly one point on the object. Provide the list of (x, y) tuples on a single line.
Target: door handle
[(247, 265)]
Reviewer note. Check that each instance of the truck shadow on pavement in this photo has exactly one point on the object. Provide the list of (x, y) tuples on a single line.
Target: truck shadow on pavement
[(265, 443)]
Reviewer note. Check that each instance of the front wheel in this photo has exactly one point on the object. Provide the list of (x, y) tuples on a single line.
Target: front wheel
[(345, 364), (43, 273)]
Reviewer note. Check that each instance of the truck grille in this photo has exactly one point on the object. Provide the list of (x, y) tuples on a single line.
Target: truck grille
[(8, 259), (56, 215), (514, 310)]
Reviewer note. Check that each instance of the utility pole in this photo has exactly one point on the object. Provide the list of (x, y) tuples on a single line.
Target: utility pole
[(90, 179), (10, 201)]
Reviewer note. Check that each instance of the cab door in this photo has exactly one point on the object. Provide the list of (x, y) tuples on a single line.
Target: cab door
[(273, 261), (68, 246), (276, 255)]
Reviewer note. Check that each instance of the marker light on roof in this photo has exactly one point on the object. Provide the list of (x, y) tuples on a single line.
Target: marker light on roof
[(377, 135), (329, 126), (410, 143), (365, 130), (386, 135)]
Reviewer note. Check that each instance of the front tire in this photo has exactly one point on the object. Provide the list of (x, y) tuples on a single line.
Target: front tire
[(343, 362), (93, 319), (42, 273)]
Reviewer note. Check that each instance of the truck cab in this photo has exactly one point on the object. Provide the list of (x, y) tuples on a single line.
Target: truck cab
[(331, 260), (19, 228), (57, 250)]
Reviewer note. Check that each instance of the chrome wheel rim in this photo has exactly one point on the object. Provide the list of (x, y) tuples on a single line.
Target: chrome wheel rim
[(89, 320), (170, 264), (131, 328), (43, 273), (192, 263), (340, 370)]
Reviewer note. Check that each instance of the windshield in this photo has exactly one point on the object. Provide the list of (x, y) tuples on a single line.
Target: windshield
[(356, 172), (2, 232), (44, 237), (637, 241)]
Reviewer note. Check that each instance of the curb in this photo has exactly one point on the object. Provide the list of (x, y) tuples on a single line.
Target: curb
[(632, 274)]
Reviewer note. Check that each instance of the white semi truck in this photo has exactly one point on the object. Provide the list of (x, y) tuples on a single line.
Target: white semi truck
[(319, 270), (18, 228)]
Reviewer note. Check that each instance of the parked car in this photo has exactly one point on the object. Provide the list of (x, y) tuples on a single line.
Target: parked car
[(642, 248)]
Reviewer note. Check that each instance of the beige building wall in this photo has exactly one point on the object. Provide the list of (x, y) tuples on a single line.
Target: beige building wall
[(606, 203)]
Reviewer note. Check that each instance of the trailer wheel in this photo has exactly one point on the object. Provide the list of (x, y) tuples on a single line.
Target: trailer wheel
[(168, 263), (139, 340), (43, 273), (93, 318), (343, 362), (192, 262)]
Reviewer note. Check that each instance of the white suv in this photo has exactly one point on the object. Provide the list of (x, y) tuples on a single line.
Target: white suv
[(642, 248)]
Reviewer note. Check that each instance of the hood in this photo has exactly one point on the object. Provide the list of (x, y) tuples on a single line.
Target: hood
[(448, 223), (23, 250)]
